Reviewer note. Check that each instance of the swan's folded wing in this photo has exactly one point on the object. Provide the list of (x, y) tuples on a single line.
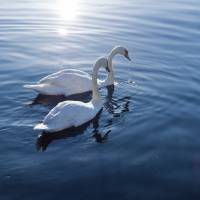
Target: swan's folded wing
[(66, 78), (77, 71), (69, 113), (51, 78)]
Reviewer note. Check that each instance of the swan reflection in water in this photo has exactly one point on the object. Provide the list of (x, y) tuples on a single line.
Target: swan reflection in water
[(114, 107), (53, 100), (45, 139)]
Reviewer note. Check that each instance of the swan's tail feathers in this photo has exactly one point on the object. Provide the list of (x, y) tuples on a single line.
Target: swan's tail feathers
[(41, 127), (34, 87)]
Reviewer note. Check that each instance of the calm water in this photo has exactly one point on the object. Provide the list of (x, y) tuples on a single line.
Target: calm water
[(145, 144)]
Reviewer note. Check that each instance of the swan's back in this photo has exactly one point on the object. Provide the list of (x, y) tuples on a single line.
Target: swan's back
[(70, 83), (69, 113), (59, 73)]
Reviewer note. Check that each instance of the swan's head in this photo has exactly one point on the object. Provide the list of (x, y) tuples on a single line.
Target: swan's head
[(122, 50), (103, 62)]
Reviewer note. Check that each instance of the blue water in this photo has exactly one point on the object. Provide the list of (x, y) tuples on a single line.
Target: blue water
[(145, 144)]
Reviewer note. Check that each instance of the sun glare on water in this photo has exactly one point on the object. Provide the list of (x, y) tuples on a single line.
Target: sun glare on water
[(67, 9)]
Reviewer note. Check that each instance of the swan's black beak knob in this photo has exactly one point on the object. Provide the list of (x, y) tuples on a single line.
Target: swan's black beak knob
[(126, 55), (107, 69)]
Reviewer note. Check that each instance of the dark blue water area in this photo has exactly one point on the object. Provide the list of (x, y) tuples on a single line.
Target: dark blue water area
[(145, 142)]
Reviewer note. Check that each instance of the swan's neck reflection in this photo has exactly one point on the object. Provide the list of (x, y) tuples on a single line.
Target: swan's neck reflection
[(116, 106)]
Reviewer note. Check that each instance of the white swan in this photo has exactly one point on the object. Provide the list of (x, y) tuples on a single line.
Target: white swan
[(71, 81), (74, 113)]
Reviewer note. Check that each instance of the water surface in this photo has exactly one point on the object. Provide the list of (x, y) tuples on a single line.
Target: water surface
[(145, 143)]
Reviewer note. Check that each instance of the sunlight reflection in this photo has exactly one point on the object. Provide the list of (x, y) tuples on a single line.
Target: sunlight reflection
[(67, 9), (62, 31)]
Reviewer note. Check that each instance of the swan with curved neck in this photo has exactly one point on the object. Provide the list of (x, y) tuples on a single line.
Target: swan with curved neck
[(75, 113), (116, 50), (71, 81)]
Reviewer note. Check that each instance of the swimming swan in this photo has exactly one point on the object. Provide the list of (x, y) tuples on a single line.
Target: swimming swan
[(71, 81), (75, 113)]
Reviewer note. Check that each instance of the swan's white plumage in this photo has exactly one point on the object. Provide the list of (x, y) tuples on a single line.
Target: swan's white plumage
[(72, 81), (69, 114), (74, 113), (64, 82)]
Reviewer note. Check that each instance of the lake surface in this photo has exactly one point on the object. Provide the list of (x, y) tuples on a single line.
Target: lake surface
[(145, 144)]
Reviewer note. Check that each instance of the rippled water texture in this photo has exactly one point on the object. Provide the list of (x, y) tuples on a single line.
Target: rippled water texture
[(145, 143)]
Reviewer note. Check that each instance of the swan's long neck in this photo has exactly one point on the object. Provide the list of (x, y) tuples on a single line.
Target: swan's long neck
[(110, 77), (95, 91)]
